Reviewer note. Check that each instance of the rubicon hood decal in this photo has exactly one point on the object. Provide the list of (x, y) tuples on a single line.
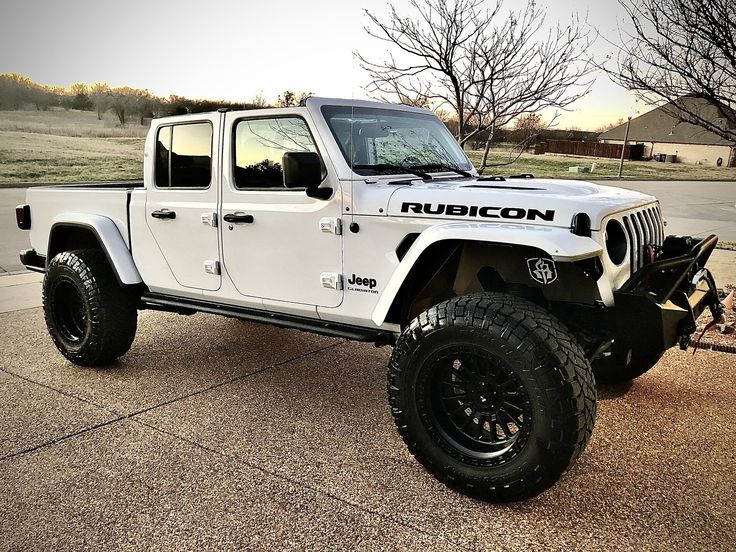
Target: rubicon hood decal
[(484, 211)]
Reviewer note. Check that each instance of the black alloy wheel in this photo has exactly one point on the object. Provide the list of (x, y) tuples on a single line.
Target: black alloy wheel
[(68, 310), (478, 403)]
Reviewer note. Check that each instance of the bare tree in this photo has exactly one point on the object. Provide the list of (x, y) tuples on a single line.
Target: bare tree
[(125, 100), (436, 51), (488, 68), (529, 126), (608, 126), (100, 95), (290, 99), (523, 72), (259, 101), (678, 50)]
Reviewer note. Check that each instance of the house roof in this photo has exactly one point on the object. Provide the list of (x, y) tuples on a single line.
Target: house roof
[(661, 125)]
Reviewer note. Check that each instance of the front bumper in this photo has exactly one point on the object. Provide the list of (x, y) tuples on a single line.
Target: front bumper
[(658, 306)]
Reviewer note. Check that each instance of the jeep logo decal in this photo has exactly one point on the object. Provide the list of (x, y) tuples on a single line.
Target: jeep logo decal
[(364, 284), (514, 213), (542, 270)]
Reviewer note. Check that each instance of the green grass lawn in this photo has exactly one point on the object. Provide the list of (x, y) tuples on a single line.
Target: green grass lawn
[(556, 166), (68, 146), (28, 157), (80, 124)]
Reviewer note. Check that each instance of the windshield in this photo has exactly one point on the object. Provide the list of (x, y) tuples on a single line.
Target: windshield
[(385, 141)]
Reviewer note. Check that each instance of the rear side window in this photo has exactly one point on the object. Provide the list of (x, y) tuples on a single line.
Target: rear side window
[(260, 145), (184, 156), (163, 156)]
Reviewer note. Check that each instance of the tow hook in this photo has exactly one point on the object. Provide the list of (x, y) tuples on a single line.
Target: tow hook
[(718, 310)]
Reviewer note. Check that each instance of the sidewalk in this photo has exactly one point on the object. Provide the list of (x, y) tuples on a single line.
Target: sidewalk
[(20, 291), (722, 264)]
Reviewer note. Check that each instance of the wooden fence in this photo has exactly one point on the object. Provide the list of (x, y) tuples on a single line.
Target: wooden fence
[(633, 152)]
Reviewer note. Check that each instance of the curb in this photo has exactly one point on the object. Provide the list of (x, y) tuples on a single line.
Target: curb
[(16, 273)]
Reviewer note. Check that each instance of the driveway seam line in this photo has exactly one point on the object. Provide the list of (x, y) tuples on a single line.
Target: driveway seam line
[(231, 380), (300, 483), (120, 416), (62, 392), (58, 440)]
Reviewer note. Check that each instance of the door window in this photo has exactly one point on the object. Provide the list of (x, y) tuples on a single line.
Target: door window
[(184, 156), (260, 145)]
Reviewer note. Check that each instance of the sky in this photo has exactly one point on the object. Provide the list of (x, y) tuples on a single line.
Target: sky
[(235, 49)]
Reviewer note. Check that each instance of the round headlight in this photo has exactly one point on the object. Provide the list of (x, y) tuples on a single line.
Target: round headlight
[(616, 244)]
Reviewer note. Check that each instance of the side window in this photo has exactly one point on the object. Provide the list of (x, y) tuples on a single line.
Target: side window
[(163, 156), (184, 156), (260, 145)]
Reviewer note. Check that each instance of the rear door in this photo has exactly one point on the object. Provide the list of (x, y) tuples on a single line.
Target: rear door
[(281, 246), (181, 203)]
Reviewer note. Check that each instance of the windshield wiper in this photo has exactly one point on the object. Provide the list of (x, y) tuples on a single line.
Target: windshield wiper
[(442, 167), (393, 167)]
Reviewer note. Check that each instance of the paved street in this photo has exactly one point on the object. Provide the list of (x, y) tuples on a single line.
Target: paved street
[(695, 208), (213, 433)]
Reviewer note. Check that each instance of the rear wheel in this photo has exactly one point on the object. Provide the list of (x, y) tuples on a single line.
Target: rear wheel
[(91, 318), (492, 395)]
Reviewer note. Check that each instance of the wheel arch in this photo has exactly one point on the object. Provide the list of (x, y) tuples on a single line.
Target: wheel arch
[(85, 231), (453, 250)]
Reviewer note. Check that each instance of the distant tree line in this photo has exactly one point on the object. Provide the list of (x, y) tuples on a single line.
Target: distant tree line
[(127, 103)]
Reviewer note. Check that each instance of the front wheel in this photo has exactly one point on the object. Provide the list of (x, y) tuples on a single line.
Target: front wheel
[(91, 318), (492, 395)]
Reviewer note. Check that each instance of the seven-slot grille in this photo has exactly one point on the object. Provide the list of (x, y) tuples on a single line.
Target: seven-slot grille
[(642, 227)]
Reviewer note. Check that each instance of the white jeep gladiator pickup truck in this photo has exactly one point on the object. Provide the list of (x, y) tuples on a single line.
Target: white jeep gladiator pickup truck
[(505, 299)]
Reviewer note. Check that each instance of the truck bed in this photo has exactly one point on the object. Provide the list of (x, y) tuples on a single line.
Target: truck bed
[(52, 204)]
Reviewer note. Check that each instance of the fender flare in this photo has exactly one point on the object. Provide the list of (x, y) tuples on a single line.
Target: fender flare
[(110, 239), (559, 243)]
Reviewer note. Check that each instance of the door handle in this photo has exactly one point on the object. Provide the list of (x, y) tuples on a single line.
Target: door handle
[(238, 218), (164, 214)]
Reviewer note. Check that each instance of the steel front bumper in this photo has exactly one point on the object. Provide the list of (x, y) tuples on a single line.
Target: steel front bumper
[(658, 306)]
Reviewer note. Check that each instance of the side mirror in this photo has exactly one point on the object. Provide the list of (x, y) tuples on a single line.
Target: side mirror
[(303, 169)]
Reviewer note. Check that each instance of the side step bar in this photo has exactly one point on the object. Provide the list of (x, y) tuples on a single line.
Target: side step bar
[(156, 301)]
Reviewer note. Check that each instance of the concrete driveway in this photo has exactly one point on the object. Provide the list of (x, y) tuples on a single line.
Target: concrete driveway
[(213, 433)]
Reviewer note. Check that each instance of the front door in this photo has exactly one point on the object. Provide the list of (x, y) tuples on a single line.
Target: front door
[(278, 244), (181, 205)]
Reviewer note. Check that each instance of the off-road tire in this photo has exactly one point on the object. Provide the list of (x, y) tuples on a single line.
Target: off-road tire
[(92, 319), (537, 351), (618, 368)]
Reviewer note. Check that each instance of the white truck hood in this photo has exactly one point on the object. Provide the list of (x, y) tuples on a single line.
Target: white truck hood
[(533, 201)]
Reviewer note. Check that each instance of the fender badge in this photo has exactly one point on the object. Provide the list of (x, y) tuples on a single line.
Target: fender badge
[(542, 270)]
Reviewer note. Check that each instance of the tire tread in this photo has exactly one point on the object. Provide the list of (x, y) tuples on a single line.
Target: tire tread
[(526, 325)]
